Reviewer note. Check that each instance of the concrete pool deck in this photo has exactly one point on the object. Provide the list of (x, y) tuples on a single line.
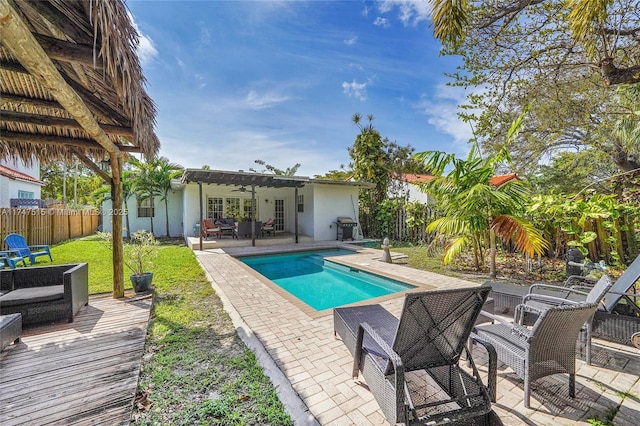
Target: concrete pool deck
[(312, 370)]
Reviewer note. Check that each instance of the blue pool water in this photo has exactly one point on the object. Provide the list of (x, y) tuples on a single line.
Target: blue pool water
[(320, 283)]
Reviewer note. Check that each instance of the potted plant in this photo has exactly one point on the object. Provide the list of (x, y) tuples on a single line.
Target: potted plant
[(138, 257)]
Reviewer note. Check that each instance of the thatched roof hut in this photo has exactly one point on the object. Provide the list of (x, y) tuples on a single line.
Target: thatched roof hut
[(71, 85), (58, 56)]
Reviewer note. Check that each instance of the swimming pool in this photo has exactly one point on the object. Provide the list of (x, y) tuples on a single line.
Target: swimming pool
[(320, 283)]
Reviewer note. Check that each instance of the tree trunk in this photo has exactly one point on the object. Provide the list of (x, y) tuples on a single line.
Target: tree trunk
[(613, 75), (166, 212)]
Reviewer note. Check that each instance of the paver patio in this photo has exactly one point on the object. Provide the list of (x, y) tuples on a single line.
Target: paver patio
[(317, 366)]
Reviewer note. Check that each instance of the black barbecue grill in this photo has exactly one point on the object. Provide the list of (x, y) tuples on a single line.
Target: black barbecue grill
[(344, 226)]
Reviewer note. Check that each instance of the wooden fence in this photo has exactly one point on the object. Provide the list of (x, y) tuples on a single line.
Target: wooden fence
[(47, 226), (625, 241)]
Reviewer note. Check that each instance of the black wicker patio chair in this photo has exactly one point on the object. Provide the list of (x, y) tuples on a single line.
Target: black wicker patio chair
[(549, 347), (411, 365), (534, 303)]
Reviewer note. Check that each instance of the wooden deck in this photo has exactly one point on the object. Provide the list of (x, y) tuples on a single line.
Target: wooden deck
[(81, 373)]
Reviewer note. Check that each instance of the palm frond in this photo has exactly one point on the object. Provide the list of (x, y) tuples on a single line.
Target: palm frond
[(525, 237), (456, 247)]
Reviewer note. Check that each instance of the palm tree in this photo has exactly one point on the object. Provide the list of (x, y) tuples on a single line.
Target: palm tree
[(161, 173), (474, 210), (104, 193)]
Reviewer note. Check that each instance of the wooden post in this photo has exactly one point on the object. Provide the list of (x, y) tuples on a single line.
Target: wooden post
[(253, 215), (295, 209), (201, 212), (116, 226)]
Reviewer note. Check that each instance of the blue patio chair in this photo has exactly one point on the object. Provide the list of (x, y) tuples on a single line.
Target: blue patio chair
[(17, 242), (11, 258)]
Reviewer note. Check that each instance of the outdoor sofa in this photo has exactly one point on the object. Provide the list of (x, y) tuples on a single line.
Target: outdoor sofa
[(46, 293), (10, 329)]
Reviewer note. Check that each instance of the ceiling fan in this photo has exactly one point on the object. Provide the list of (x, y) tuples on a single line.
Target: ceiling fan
[(241, 189)]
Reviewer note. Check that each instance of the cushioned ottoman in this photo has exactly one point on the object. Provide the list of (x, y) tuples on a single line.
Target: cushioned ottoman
[(10, 329)]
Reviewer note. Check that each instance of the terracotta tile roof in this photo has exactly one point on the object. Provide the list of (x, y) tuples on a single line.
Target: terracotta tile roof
[(12, 174), (496, 181), (500, 180)]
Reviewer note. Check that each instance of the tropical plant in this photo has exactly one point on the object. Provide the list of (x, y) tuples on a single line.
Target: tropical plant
[(474, 211), (153, 179), (138, 253), (104, 193), (161, 174), (268, 168), (568, 59)]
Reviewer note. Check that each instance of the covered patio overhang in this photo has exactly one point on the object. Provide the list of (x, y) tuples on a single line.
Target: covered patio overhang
[(243, 179), (72, 87)]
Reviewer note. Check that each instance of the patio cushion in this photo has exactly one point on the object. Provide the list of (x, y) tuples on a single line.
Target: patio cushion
[(10, 329), (32, 295)]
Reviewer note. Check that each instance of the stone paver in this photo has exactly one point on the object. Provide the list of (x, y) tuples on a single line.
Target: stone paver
[(302, 345)]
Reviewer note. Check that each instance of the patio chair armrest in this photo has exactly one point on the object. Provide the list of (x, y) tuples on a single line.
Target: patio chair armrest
[(536, 286), (494, 317), (521, 309), (492, 368), (393, 357), (548, 299), (40, 246)]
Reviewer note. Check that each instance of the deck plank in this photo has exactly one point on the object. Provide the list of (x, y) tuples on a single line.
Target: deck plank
[(85, 372)]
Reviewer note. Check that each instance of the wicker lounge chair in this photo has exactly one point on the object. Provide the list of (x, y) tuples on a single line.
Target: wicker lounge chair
[(549, 347), (617, 318), (429, 337), (18, 242), (534, 303)]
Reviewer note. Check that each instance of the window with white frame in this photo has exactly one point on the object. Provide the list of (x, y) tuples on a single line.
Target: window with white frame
[(145, 207), (26, 195), (215, 208)]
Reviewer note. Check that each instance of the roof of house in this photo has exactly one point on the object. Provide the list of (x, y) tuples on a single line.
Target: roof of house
[(16, 175), (224, 177), (497, 180)]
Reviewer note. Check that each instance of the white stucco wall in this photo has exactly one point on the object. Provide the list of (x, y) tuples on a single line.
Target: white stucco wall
[(136, 223), (323, 203), (264, 202), (330, 202), (9, 187)]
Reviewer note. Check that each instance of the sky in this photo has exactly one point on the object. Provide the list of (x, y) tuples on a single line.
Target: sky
[(279, 81)]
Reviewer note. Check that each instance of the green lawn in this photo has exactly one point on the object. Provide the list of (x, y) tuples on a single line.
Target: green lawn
[(195, 370)]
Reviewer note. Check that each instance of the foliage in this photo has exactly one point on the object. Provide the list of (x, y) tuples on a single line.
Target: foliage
[(586, 219), (474, 211), (571, 172), (127, 178), (289, 171), (139, 253), (342, 174), (566, 61), (72, 179)]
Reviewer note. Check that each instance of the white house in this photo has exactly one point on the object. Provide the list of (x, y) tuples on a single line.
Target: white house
[(294, 202), (407, 186), (20, 184)]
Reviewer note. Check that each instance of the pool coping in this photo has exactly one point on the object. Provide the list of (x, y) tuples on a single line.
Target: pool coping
[(311, 312)]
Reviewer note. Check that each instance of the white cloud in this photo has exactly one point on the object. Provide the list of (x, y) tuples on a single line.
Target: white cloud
[(441, 109), (381, 22), (411, 12), (355, 90), (146, 50), (351, 41), (266, 100)]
